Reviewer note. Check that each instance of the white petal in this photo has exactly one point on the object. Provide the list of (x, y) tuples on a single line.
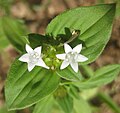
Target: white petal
[(38, 50), (24, 58), (30, 66), (61, 56), (64, 64), (81, 58), (74, 65), (42, 64), (67, 48), (29, 49), (77, 48)]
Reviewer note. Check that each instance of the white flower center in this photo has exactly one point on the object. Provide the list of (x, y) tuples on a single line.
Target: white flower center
[(71, 57), (34, 57)]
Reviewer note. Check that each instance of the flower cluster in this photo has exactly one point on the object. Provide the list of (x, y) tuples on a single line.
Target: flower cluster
[(70, 57)]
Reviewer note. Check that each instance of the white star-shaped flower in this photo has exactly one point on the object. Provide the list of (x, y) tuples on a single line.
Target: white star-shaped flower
[(33, 58), (71, 57)]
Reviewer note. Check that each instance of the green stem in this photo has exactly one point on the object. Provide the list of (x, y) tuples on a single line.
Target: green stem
[(107, 99)]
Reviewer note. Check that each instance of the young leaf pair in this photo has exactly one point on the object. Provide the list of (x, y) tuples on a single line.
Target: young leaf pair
[(71, 57)]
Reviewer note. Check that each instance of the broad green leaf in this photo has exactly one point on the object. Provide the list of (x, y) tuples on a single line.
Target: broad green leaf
[(64, 100), (3, 40), (69, 74), (112, 1), (94, 23), (44, 106), (15, 31), (81, 106), (101, 77), (24, 88)]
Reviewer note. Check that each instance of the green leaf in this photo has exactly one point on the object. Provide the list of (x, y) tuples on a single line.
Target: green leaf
[(112, 1), (74, 92), (24, 88), (44, 106), (56, 108), (69, 74), (81, 106), (101, 77), (15, 31), (64, 100), (41, 40), (37, 40), (94, 23), (3, 40)]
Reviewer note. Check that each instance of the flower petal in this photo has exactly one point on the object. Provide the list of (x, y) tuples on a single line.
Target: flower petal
[(42, 64), (38, 50), (64, 64), (30, 66), (77, 48), (24, 58), (61, 56), (81, 58), (29, 49), (67, 48), (74, 65)]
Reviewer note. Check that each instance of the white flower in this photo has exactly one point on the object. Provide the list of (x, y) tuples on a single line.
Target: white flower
[(72, 57), (33, 58)]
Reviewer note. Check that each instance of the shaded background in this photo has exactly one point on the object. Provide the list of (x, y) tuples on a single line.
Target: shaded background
[(36, 14)]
